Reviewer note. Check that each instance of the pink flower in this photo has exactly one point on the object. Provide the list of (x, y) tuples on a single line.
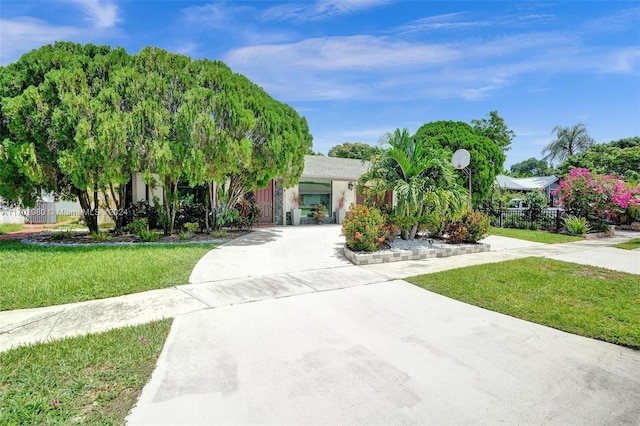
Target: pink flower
[(55, 403), (141, 339)]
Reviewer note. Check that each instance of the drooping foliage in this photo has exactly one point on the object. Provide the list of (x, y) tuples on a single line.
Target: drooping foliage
[(568, 141), (79, 120), (421, 177), (487, 159), (52, 124)]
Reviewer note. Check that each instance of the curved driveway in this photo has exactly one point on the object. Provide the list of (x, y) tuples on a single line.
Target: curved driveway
[(331, 343)]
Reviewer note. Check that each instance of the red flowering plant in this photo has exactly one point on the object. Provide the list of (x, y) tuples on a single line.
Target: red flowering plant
[(364, 228), (598, 198)]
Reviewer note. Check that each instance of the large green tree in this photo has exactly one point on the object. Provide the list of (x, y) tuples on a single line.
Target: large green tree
[(79, 120), (531, 167), (568, 141), (495, 129), (51, 123), (356, 150), (487, 159), (421, 177), (620, 158)]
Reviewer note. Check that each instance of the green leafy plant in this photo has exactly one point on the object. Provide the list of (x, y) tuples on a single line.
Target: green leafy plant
[(218, 234), (470, 229), (137, 226), (364, 228), (191, 227), (62, 235), (148, 236), (100, 236), (537, 203), (576, 225), (320, 213), (183, 235)]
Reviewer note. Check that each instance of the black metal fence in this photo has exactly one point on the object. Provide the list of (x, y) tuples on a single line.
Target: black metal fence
[(550, 220)]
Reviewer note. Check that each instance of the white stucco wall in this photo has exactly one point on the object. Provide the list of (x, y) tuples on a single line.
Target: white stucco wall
[(10, 215), (139, 189)]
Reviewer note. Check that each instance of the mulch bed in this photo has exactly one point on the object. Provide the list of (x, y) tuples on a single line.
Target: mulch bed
[(82, 238)]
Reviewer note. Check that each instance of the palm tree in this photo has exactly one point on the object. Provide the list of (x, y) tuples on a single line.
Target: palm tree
[(421, 177), (569, 141)]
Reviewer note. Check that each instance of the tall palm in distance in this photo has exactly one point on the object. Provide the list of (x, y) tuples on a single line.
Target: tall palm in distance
[(569, 141)]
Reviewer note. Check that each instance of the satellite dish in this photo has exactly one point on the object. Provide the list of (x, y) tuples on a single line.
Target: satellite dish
[(461, 159)]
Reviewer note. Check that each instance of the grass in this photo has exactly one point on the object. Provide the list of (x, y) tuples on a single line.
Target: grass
[(629, 245), (535, 236), (10, 227), (95, 379), (584, 300), (34, 276)]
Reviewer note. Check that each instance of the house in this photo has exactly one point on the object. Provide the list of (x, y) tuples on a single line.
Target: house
[(324, 180), (546, 184)]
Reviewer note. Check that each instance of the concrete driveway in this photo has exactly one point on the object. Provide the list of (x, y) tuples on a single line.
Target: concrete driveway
[(345, 346)]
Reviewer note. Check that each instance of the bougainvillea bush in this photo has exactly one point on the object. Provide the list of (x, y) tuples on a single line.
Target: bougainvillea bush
[(598, 198), (364, 228)]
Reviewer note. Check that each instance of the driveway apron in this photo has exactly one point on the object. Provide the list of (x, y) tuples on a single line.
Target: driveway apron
[(331, 343)]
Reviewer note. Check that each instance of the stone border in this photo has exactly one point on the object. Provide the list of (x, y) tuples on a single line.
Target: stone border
[(384, 256)]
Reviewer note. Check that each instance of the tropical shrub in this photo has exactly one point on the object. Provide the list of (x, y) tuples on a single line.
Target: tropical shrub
[(576, 225), (137, 226), (148, 236), (363, 228), (421, 177), (537, 203), (190, 212), (320, 213), (249, 211), (598, 198), (470, 229), (100, 236), (142, 210), (191, 227)]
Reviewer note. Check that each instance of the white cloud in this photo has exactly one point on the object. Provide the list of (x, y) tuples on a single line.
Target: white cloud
[(102, 14), (319, 10), (21, 34), (345, 53)]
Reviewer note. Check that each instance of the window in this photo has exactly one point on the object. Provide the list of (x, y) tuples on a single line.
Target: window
[(313, 193)]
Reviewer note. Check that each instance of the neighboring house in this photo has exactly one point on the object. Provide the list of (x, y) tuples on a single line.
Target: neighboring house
[(546, 184)]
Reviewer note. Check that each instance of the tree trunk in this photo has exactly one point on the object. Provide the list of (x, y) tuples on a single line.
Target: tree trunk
[(89, 215), (413, 232), (409, 235)]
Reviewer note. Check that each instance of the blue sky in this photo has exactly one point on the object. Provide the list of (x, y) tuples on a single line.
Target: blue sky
[(360, 68)]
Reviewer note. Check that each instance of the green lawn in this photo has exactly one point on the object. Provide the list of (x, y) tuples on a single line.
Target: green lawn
[(535, 236), (629, 245), (584, 300), (35, 276), (94, 379), (5, 228)]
